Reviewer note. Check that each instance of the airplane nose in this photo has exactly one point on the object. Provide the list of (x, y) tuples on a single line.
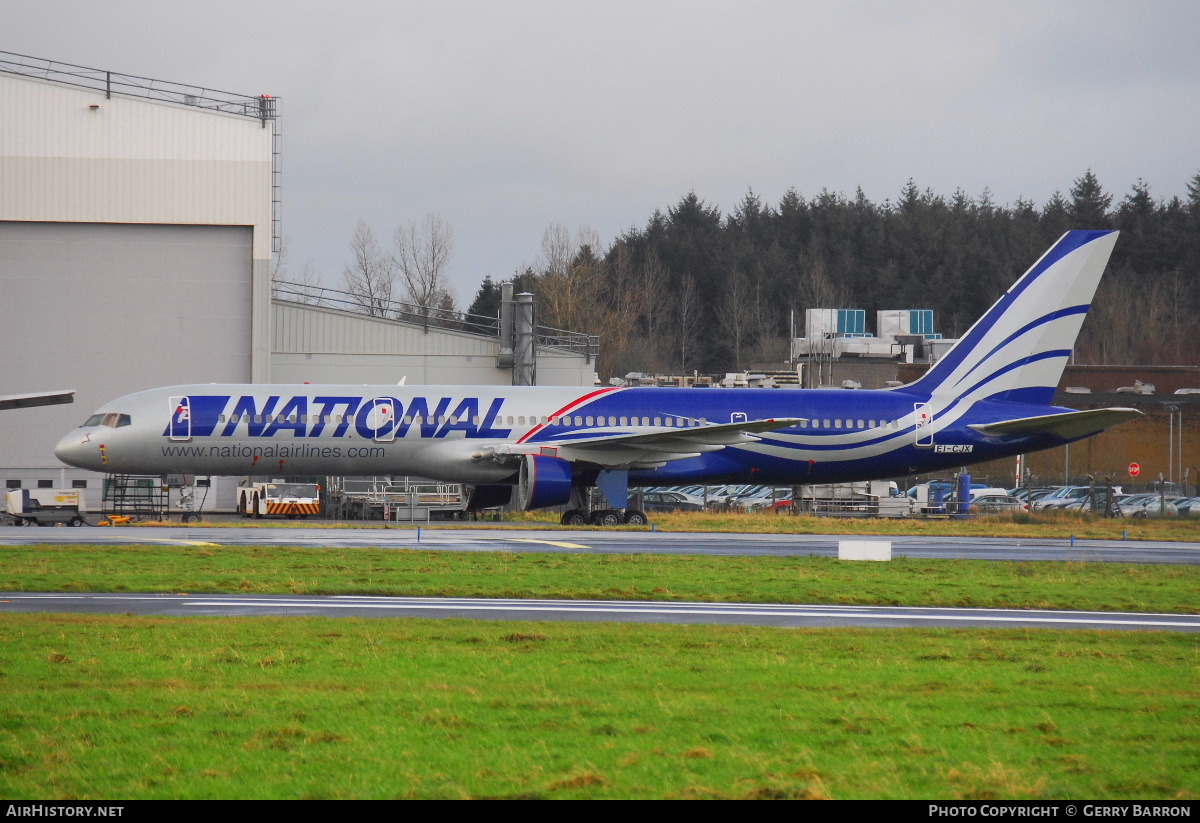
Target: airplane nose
[(77, 450)]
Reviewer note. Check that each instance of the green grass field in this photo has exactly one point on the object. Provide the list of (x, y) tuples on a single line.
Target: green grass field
[(902, 582), (122, 707), (1041, 524), (107, 707)]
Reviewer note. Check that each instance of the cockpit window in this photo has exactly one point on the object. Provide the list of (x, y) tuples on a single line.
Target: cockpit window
[(112, 420)]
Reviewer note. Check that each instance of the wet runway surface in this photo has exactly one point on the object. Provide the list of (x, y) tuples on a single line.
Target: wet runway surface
[(623, 542)]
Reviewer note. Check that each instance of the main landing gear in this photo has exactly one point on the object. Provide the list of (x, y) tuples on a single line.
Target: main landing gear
[(604, 517), (580, 513)]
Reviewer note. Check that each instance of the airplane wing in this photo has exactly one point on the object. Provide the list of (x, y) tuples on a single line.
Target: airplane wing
[(1066, 424), (647, 449), (47, 398)]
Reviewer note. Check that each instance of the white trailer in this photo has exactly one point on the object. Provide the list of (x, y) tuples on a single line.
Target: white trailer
[(45, 507)]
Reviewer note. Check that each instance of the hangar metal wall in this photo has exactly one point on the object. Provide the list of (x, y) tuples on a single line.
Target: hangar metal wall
[(135, 246), (109, 309), (77, 155), (322, 345)]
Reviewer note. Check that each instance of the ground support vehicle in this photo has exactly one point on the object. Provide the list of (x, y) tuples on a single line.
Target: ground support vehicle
[(282, 499), (45, 507)]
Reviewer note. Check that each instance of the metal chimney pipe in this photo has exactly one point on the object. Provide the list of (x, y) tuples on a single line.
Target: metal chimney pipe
[(524, 353), (504, 360)]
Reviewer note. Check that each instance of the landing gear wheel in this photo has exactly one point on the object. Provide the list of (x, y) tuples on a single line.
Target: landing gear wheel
[(574, 517), (634, 517), (607, 517)]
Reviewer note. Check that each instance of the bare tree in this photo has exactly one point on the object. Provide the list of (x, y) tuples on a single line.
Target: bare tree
[(279, 264), (557, 250), (687, 320), (286, 284), (737, 314), (371, 276), (653, 293), (770, 342), (422, 255), (816, 289)]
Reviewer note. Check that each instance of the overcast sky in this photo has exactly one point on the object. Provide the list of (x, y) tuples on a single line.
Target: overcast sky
[(504, 117)]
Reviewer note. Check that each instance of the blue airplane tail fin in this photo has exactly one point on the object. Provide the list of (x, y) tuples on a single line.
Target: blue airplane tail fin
[(1018, 349)]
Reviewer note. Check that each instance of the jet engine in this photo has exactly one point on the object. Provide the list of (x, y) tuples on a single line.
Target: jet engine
[(544, 481)]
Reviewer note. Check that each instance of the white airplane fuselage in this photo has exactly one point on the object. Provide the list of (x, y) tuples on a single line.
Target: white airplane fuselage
[(988, 397)]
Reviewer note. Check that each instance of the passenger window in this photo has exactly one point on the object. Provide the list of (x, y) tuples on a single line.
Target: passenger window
[(658, 421), (861, 424), (837, 424), (588, 420)]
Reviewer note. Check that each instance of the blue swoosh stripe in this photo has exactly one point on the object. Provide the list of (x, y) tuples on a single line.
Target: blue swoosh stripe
[(1071, 242), (1048, 318), (1016, 364)]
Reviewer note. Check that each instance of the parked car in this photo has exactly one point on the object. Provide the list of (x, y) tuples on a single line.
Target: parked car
[(668, 502), (998, 504), (1031, 493), (1088, 503), (764, 499), (1059, 498), (1188, 506), (1147, 505)]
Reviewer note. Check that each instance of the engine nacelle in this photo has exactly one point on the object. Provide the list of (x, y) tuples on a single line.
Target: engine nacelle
[(488, 497), (545, 481)]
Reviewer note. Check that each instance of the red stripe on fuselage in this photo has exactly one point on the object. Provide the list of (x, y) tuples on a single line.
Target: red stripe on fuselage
[(570, 407)]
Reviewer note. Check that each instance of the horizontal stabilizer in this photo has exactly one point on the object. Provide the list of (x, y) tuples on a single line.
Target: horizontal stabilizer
[(45, 398), (1066, 424)]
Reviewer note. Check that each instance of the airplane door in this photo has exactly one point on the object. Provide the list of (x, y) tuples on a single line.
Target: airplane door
[(737, 417), (181, 418), (923, 426), (382, 419)]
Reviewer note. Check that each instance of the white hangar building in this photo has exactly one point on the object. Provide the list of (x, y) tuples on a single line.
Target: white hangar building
[(138, 219)]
